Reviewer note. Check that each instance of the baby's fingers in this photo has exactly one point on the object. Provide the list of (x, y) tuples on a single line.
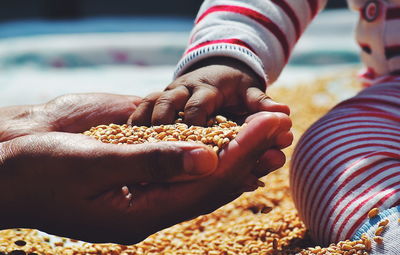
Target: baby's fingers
[(168, 105), (201, 105), (142, 114), (257, 101)]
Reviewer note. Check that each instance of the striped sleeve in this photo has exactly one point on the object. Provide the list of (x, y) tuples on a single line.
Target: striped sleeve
[(260, 33)]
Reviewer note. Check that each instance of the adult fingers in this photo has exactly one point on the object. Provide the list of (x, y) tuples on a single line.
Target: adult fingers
[(257, 100), (113, 165), (93, 163), (168, 104), (251, 142), (204, 101), (143, 113), (284, 139), (78, 112)]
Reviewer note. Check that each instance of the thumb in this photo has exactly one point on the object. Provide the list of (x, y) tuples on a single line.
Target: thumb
[(151, 162), (257, 100)]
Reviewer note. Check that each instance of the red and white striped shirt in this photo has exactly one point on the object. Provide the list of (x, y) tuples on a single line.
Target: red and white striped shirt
[(262, 34)]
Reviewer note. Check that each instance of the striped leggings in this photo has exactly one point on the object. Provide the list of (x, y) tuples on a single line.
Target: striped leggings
[(348, 162)]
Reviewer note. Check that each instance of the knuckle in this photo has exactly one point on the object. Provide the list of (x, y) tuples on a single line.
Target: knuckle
[(194, 106), (164, 100), (191, 81), (259, 97), (150, 99)]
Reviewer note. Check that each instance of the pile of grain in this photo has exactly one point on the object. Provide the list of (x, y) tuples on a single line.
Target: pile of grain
[(219, 131), (261, 222)]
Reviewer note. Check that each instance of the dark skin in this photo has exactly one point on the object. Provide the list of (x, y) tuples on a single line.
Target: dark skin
[(215, 85), (68, 184)]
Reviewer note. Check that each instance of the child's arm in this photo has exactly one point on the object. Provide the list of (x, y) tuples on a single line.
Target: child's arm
[(235, 45)]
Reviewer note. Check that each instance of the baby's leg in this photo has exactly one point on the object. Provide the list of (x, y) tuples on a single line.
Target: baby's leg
[(347, 163)]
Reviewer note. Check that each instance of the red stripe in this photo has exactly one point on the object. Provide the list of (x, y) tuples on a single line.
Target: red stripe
[(368, 107), (389, 93), (393, 13), (361, 219), (301, 185), (291, 14), (351, 177), (395, 204), (374, 174), (313, 4), (392, 51), (346, 143), (327, 142), (305, 200), (364, 100), (325, 124), (307, 147), (295, 181), (321, 124), (306, 186), (294, 177), (258, 17), (310, 203), (368, 100), (389, 79), (365, 108), (230, 41)]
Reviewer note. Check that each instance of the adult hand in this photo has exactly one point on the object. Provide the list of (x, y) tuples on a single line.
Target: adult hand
[(39, 155), (75, 186), (217, 85), (72, 113)]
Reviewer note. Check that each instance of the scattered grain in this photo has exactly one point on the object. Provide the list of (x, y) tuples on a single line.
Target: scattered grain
[(373, 213), (378, 239), (383, 223)]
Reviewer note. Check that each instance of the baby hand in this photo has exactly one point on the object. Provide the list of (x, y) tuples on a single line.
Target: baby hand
[(215, 85)]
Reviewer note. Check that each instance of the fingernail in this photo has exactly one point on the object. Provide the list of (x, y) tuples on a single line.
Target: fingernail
[(199, 161)]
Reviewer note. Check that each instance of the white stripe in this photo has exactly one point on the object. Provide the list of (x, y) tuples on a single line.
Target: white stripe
[(299, 171), (365, 208), (355, 192), (224, 49), (257, 37), (323, 180), (314, 135)]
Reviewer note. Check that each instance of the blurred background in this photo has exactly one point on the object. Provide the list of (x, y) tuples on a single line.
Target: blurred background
[(54, 47), (67, 9)]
